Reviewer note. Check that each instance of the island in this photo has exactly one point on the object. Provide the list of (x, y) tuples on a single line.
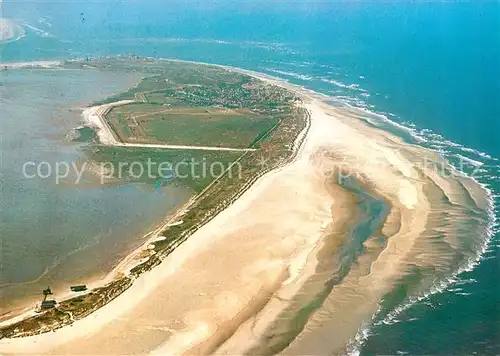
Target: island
[(302, 236)]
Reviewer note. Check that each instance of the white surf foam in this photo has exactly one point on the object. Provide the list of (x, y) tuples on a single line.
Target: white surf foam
[(343, 85), (442, 146), (38, 31), (469, 160), (355, 345), (291, 74)]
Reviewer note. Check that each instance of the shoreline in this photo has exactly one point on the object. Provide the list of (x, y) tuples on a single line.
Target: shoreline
[(36, 64), (407, 200), (140, 288)]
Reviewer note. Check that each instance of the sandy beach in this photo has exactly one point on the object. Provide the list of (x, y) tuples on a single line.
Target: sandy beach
[(231, 287)]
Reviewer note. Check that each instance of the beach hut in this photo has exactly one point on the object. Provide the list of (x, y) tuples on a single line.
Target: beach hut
[(48, 304), (79, 288)]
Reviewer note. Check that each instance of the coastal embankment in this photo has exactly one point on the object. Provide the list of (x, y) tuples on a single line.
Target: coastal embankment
[(95, 117)]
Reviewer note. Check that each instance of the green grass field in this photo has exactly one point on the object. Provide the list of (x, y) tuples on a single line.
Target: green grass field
[(223, 130), (191, 168)]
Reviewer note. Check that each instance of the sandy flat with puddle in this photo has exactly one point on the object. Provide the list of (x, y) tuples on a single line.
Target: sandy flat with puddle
[(222, 289)]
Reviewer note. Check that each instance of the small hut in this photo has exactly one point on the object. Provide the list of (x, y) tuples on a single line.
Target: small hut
[(48, 304), (79, 288)]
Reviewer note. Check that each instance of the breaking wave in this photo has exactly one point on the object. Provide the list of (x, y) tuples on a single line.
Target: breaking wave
[(448, 150)]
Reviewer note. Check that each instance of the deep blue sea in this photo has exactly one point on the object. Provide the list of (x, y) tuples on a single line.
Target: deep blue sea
[(431, 69)]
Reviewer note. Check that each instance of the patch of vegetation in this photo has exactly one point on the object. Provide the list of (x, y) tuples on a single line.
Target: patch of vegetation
[(194, 169), (85, 134), (83, 305), (67, 311)]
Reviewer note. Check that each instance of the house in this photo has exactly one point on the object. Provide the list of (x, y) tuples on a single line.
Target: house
[(79, 288), (48, 304)]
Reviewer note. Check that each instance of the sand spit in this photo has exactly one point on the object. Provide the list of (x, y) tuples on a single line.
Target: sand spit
[(229, 288), (37, 64)]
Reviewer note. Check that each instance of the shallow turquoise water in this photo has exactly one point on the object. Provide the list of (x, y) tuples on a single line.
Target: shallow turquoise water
[(431, 68), (58, 233)]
